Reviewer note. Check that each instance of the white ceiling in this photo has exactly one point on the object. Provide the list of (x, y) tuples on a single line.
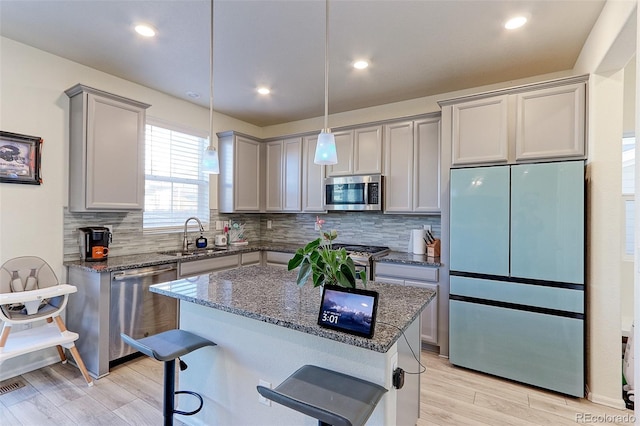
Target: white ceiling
[(416, 48)]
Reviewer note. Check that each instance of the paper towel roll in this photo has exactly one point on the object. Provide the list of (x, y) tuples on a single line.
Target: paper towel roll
[(418, 244)]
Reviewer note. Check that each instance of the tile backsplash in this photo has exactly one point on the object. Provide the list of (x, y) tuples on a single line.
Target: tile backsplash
[(296, 228)]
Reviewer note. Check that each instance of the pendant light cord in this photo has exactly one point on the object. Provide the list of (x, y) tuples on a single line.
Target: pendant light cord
[(211, 81), (326, 67)]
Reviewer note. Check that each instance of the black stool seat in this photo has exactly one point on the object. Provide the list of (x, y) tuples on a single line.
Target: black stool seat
[(328, 396), (168, 345)]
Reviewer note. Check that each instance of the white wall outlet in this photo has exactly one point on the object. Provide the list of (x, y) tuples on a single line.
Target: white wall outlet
[(316, 226), (261, 398), (426, 227), (219, 225), (269, 224)]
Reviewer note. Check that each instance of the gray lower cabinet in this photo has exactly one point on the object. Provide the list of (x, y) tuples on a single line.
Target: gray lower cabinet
[(217, 264), (418, 276), (106, 134), (211, 264), (276, 258)]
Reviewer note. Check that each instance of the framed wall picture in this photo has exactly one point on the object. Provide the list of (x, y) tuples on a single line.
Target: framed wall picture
[(20, 158)]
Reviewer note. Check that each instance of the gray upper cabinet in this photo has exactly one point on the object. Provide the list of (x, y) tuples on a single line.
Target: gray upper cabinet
[(239, 182), (550, 123), (367, 150), (544, 121), (284, 173), (426, 175), (480, 131), (359, 152), (312, 177), (106, 151), (274, 176), (344, 151), (412, 166)]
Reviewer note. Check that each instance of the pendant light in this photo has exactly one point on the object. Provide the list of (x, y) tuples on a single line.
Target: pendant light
[(210, 161), (326, 148)]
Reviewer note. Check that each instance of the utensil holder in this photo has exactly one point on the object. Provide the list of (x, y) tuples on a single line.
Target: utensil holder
[(433, 249)]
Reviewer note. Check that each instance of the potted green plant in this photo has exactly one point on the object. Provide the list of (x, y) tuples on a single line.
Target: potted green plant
[(325, 265)]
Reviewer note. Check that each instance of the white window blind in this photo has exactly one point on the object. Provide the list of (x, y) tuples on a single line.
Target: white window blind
[(175, 186)]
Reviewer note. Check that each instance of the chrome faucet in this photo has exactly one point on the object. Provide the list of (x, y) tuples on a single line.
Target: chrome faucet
[(185, 241)]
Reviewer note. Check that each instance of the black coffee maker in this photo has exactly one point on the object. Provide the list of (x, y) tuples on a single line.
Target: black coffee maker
[(94, 243)]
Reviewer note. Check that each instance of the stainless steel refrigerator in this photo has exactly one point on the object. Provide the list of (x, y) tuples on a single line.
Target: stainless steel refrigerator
[(517, 273)]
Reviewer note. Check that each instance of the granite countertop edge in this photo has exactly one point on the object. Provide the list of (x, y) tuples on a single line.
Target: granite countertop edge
[(120, 263), (393, 319)]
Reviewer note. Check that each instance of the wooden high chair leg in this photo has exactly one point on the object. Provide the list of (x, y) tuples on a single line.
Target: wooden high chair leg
[(5, 334), (76, 354), (61, 354), (81, 366)]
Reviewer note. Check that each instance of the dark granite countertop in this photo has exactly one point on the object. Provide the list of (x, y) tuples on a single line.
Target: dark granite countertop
[(119, 263), (410, 259), (242, 292)]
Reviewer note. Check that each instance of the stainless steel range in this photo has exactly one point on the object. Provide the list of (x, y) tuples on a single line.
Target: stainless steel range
[(363, 256)]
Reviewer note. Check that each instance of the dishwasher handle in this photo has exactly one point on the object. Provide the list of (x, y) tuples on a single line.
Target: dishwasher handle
[(120, 276)]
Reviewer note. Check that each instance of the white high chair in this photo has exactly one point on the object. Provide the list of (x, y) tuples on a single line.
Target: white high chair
[(29, 292)]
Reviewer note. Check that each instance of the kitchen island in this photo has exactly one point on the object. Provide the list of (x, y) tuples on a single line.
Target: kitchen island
[(266, 328)]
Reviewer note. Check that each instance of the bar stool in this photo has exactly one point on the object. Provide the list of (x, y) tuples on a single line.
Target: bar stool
[(166, 347), (330, 397)]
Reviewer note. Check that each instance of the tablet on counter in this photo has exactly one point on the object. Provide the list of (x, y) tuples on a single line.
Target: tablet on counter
[(349, 310)]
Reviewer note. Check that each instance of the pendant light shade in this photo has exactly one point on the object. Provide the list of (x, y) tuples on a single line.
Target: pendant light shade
[(210, 162), (326, 153), (326, 149)]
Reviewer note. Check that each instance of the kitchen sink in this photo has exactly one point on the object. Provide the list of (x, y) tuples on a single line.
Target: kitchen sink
[(198, 252)]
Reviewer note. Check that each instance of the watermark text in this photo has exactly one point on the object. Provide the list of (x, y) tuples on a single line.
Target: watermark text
[(605, 418)]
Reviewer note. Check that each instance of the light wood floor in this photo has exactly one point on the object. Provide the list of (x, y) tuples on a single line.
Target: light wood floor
[(132, 395)]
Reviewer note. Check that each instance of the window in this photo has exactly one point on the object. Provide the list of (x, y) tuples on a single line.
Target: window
[(628, 190), (175, 186)]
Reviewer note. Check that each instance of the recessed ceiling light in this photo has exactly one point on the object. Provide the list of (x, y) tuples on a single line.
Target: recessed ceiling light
[(145, 30), (360, 65), (516, 22), (263, 90)]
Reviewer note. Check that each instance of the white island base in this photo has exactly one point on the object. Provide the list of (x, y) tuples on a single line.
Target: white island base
[(250, 351)]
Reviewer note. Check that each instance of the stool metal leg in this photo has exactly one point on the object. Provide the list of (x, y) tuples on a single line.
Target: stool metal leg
[(169, 389)]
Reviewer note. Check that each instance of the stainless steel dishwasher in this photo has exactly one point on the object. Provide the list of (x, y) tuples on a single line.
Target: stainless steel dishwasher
[(136, 311)]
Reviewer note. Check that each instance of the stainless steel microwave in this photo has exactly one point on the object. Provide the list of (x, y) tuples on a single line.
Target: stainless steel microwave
[(353, 193)]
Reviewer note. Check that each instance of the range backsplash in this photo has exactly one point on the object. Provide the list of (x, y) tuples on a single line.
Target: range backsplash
[(353, 227)]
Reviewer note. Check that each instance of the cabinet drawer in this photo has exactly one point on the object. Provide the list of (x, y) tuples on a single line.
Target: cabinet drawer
[(408, 272), (562, 299), (278, 258), (252, 258), (212, 264), (542, 350)]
